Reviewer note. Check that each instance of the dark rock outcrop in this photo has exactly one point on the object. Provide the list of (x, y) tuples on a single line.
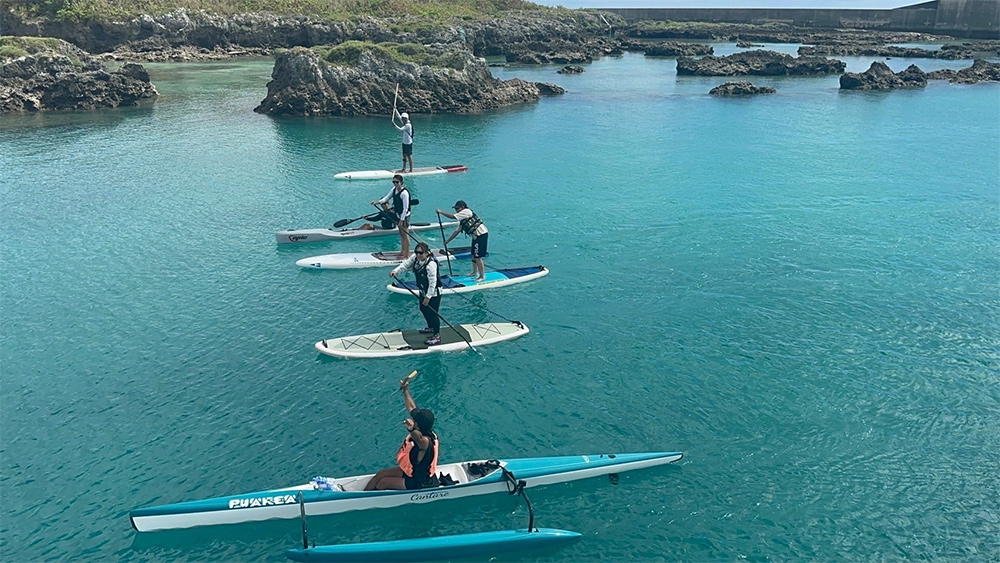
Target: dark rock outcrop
[(53, 81), (980, 71), (758, 63), (740, 89), (304, 84), (881, 77), (571, 69), (867, 49), (677, 49), (747, 45)]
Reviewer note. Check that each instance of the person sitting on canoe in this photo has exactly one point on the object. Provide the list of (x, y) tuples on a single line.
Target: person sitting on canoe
[(400, 197), (386, 217), (425, 269), (417, 457), (471, 225)]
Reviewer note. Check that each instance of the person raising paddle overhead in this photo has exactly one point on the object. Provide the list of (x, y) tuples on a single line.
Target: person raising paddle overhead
[(418, 455), (407, 128), (400, 197)]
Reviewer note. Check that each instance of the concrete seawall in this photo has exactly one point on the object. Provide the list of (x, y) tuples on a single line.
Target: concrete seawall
[(962, 18)]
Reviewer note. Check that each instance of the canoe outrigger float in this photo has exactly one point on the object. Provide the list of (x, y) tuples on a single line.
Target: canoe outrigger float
[(333, 495), (481, 545)]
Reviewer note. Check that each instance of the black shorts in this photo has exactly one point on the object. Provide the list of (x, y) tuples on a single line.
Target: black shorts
[(413, 483), (408, 149), (480, 246)]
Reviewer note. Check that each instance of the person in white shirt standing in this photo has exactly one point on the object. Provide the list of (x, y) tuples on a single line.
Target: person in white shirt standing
[(407, 129), (425, 268), (400, 197), (473, 226)]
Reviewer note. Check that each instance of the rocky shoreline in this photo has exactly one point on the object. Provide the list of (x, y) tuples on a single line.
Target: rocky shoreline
[(560, 37)]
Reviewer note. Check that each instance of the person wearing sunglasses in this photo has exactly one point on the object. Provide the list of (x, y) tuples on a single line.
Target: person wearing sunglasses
[(400, 197), (425, 269)]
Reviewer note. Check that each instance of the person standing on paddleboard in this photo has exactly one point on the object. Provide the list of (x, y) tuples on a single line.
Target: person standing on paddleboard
[(400, 197), (417, 457), (407, 129), (473, 226), (425, 269)]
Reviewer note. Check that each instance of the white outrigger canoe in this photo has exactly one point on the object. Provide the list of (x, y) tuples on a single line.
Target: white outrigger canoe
[(312, 235), (411, 342), (387, 174), (335, 495), (375, 259), (465, 284)]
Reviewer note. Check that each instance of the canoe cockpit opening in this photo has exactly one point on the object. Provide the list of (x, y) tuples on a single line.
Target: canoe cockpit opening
[(450, 474)]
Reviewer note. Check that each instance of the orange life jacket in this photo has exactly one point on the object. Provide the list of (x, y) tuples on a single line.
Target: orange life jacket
[(408, 453)]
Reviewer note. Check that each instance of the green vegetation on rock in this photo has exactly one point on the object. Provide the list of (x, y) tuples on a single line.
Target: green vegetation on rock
[(349, 52), (80, 10), (13, 47)]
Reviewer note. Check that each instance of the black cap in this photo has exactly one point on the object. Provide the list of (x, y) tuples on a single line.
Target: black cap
[(424, 419), (459, 203)]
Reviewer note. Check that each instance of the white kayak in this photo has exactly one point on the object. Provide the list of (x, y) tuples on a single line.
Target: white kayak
[(387, 174), (314, 235), (411, 342), (465, 284), (375, 259)]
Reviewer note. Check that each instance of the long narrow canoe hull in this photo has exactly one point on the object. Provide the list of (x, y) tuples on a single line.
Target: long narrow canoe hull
[(411, 342), (465, 284), (482, 545), (297, 236), (471, 476), (375, 259), (386, 174)]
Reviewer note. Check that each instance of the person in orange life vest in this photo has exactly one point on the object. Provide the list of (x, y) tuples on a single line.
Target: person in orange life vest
[(418, 456)]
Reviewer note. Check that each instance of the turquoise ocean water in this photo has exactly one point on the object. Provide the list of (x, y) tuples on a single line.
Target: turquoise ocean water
[(799, 291)]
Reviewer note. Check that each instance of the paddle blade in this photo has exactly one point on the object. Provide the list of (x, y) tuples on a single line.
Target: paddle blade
[(341, 223)]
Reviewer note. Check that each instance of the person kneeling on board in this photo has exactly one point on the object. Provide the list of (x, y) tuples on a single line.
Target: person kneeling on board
[(417, 457), (471, 225), (425, 270)]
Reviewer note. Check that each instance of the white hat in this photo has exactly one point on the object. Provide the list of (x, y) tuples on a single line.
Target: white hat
[(404, 115)]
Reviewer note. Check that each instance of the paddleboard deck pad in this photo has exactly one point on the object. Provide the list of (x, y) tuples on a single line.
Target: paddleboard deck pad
[(296, 236), (387, 174), (482, 545), (411, 342), (375, 259), (464, 284)]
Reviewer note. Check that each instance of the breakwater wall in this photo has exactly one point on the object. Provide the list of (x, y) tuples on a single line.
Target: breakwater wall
[(978, 19)]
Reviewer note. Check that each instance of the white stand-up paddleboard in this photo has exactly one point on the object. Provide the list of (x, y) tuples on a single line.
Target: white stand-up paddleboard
[(464, 284), (411, 342), (374, 259), (313, 235), (387, 174)]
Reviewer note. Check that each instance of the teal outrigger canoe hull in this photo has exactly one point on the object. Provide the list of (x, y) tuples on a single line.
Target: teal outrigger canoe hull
[(336, 495), (481, 545)]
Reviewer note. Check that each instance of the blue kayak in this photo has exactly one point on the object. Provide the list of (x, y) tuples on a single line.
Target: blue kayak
[(464, 284), (483, 545)]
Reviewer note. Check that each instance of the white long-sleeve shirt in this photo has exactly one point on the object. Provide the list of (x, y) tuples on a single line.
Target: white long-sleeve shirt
[(432, 274), (407, 129), (403, 195)]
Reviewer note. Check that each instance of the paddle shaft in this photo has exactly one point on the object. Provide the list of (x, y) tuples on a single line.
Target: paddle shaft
[(392, 117), (444, 243), (413, 293)]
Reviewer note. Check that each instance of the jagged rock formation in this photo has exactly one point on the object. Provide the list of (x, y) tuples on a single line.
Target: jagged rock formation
[(881, 77), (980, 71), (677, 49), (304, 84), (758, 63), (947, 52), (571, 69), (740, 89), (746, 44), (68, 78)]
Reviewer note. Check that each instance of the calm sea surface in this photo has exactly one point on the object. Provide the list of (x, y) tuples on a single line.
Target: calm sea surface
[(799, 291)]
